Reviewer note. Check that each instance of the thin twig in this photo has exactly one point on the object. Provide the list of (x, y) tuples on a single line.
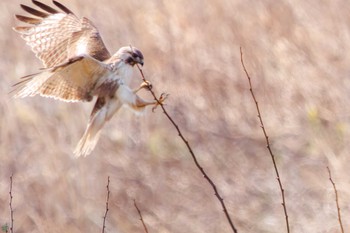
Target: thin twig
[(267, 142), (107, 200), (221, 200), (143, 223), (10, 204), (336, 200)]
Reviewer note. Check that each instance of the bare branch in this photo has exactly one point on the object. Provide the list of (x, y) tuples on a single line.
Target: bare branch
[(267, 142), (10, 204), (336, 200), (221, 200), (143, 223), (107, 200)]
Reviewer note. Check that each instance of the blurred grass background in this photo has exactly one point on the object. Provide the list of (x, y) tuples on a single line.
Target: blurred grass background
[(296, 53)]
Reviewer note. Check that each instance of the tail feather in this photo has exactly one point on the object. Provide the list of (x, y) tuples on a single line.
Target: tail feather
[(92, 133), (102, 112), (88, 142)]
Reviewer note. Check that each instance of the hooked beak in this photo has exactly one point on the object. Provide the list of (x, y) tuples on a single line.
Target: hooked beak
[(139, 60)]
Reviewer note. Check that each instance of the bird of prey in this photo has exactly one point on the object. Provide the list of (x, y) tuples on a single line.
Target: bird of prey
[(77, 67)]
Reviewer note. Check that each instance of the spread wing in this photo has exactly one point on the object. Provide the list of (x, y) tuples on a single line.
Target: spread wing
[(56, 36), (79, 79)]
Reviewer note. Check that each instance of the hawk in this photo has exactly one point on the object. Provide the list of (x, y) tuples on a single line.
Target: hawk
[(77, 67)]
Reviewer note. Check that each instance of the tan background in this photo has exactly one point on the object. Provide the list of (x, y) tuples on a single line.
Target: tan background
[(298, 55)]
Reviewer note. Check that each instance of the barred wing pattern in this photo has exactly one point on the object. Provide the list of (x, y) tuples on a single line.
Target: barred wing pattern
[(73, 81), (56, 36)]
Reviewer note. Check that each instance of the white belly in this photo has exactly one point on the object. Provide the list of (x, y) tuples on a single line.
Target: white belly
[(125, 73)]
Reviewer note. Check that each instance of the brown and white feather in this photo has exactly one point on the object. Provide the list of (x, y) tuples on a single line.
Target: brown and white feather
[(72, 81), (77, 67), (56, 36)]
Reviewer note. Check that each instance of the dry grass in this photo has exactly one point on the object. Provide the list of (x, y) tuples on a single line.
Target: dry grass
[(296, 53)]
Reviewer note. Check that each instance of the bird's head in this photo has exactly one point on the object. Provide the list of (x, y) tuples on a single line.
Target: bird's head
[(130, 55)]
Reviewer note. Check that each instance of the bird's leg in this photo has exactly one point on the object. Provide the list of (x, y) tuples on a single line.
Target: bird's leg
[(145, 84), (129, 97), (140, 103)]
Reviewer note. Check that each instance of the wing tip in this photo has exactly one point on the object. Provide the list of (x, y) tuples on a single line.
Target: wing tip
[(45, 7), (33, 11), (28, 20), (62, 7)]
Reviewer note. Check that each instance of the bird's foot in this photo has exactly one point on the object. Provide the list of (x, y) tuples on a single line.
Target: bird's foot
[(147, 84), (144, 84), (160, 101)]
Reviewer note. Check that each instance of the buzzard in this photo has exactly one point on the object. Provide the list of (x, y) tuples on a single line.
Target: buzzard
[(77, 67)]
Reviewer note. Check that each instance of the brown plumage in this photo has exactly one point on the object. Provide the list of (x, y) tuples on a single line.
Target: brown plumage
[(57, 36), (77, 66)]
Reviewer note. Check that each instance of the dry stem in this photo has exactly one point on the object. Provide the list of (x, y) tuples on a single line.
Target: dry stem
[(267, 142), (10, 204), (138, 210), (221, 200), (107, 200), (336, 200)]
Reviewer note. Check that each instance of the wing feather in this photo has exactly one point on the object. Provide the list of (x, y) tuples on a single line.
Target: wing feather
[(57, 36), (72, 81), (45, 7), (22, 29), (33, 11), (29, 20), (65, 9)]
